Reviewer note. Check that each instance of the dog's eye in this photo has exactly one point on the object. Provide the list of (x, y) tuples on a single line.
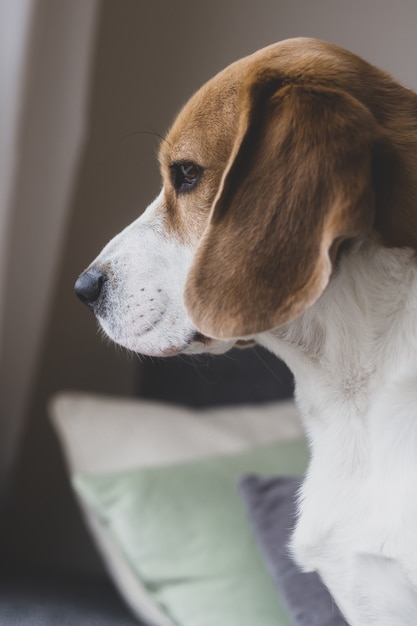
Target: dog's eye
[(185, 176)]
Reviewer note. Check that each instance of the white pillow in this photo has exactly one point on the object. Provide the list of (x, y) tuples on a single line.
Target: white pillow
[(102, 434)]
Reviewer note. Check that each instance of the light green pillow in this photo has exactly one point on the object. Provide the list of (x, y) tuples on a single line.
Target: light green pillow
[(183, 530)]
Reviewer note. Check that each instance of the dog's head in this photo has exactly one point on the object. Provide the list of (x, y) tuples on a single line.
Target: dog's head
[(266, 171)]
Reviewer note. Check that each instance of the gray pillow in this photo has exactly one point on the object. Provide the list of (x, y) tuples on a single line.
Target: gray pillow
[(271, 507)]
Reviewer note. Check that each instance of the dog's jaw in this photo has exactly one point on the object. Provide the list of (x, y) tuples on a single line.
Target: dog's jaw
[(141, 306)]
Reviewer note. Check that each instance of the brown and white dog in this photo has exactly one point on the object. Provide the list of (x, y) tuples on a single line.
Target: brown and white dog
[(288, 216)]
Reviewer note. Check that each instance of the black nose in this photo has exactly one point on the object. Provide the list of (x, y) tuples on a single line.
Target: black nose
[(88, 286)]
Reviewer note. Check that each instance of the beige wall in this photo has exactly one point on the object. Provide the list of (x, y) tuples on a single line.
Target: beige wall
[(150, 56)]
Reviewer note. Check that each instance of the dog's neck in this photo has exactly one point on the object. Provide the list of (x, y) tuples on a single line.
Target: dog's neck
[(354, 356), (357, 346)]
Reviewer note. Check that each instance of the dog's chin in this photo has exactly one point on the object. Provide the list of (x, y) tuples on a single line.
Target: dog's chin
[(156, 344)]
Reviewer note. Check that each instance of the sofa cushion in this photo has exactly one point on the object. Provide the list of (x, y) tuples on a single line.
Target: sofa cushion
[(101, 435), (271, 504), (183, 531)]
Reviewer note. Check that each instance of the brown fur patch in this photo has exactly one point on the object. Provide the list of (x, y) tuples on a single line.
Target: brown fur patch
[(303, 145)]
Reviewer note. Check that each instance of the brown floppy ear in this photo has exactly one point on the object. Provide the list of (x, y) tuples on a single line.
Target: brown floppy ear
[(297, 183)]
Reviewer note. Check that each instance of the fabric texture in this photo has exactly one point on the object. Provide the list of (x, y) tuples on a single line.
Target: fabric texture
[(183, 531), (103, 433), (271, 504)]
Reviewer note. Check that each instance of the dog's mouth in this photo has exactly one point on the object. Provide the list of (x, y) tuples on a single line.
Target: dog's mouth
[(200, 338), (191, 346), (245, 343), (207, 341)]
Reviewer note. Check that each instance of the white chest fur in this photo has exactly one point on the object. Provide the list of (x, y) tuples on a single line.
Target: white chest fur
[(354, 357)]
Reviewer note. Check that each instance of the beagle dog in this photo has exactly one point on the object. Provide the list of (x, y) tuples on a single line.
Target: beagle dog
[(288, 217)]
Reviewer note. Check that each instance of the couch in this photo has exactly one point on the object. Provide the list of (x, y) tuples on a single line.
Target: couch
[(30, 597)]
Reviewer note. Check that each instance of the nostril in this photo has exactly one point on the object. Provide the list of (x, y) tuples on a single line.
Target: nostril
[(89, 285)]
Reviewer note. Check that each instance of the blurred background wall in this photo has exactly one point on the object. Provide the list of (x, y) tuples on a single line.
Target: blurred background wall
[(87, 86)]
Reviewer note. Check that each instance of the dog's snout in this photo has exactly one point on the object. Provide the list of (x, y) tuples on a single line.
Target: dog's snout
[(89, 285)]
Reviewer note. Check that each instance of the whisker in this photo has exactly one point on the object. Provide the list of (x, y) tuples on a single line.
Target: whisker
[(151, 131), (270, 370), (161, 137)]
